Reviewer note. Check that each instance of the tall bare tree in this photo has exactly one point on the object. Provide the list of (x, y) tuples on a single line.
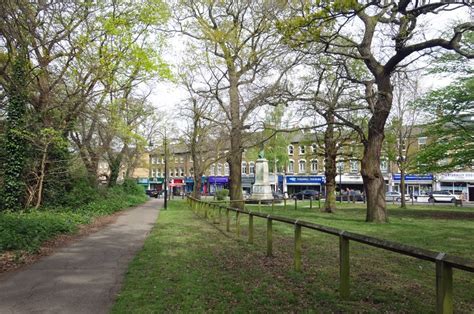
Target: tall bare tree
[(245, 63), (385, 36)]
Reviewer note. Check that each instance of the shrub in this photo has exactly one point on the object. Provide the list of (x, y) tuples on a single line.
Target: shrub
[(222, 194), (28, 230)]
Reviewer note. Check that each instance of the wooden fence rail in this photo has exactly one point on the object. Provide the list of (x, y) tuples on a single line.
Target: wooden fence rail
[(444, 263)]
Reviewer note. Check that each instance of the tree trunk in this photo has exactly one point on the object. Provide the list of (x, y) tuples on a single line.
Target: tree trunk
[(115, 169), (330, 153), (197, 184), (374, 184), (41, 177), (235, 158), (402, 188)]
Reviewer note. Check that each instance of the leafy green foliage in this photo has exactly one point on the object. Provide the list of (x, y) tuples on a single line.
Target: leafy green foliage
[(14, 187), (28, 230), (222, 194)]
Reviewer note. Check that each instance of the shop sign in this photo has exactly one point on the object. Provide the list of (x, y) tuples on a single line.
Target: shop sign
[(457, 177), (413, 177), (142, 180), (218, 180), (157, 180), (305, 179)]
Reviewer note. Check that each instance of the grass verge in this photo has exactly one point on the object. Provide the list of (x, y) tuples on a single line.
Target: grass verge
[(189, 264), (27, 230)]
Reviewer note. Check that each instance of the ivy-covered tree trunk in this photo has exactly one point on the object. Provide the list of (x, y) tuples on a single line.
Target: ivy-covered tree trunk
[(115, 169), (15, 145)]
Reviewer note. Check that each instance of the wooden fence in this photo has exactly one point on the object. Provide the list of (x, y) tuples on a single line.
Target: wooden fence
[(444, 263)]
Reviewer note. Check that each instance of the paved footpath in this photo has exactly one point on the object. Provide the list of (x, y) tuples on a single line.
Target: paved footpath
[(85, 276)]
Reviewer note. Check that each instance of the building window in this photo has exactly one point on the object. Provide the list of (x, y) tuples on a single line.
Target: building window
[(421, 141), (181, 172), (290, 150), (314, 166), (291, 166), (211, 170), (153, 173), (219, 169), (302, 166), (226, 169), (302, 150), (354, 166), (171, 173), (251, 168), (340, 166), (176, 172), (384, 165), (181, 159), (313, 148), (162, 160), (244, 167)]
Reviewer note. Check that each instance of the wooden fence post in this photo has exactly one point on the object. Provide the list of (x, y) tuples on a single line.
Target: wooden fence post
[(297, 257), (311, 203), (344, 266), (444, 286), (284, 203), (259, 206), (273, 205), (296, 203), (250, 228), (237, 223), (227, 216), (269, 237)]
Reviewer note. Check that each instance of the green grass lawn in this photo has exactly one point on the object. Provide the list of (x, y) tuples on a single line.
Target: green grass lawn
[(189, 264)]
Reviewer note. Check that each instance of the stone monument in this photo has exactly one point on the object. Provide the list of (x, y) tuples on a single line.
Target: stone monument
[(261, 189)]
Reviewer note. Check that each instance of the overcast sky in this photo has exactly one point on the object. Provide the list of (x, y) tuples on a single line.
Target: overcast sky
[(168, 97)]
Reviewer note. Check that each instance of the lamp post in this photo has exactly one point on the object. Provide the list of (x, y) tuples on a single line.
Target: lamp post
[(165, 144)]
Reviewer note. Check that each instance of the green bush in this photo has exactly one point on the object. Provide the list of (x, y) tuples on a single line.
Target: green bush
[(222, 194), (28, 230)]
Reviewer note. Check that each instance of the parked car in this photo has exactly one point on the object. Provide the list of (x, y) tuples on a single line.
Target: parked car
[(278, 195), (443, 196), (152, 193), (306, 194), (359, 197), (396, 196)]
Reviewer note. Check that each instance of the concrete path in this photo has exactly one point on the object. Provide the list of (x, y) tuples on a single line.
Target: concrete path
[(84, 277)]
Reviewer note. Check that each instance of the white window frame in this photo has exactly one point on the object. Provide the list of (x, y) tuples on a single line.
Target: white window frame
[(291, 166), (219, 169), (340, 165), (226, 169), (301, 162), (302, 149), (313, 163), (251, 167), (291, 150), (384, 165), (422, 141), (354, 166), (244, 167), (314, 148)]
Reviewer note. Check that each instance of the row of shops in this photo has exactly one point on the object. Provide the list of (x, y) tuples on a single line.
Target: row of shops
[(458, 182)]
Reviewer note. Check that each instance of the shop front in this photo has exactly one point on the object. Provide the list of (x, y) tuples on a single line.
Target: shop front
[(294, 184), (217, 183), (176, 186), (349, 182), (189, 184), (415, 184), (156, 183), (457, 183), (247, 182)]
